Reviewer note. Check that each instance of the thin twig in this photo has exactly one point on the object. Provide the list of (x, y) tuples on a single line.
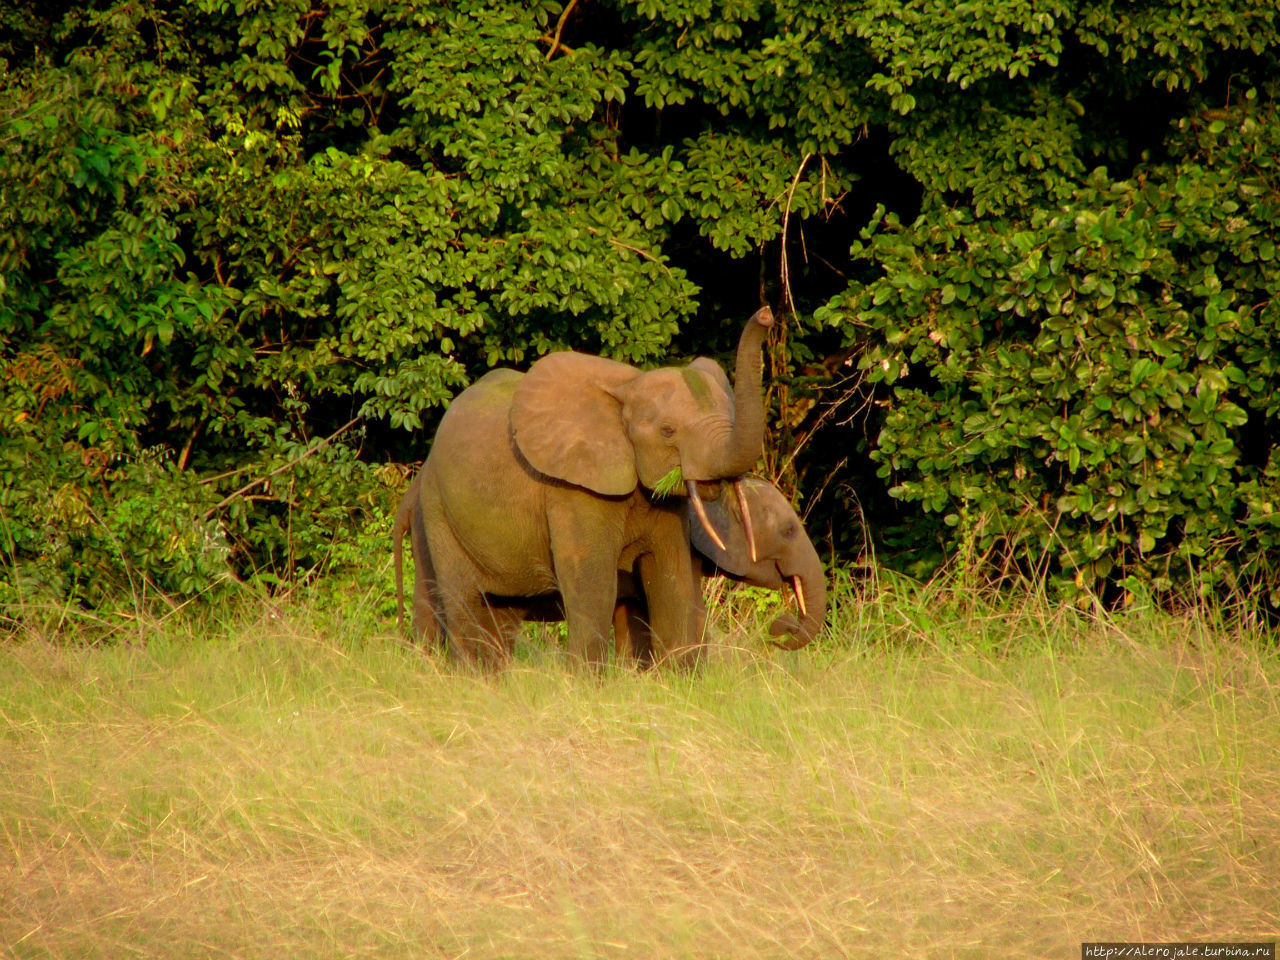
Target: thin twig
[(780, 468), (641, 251), (564, 47), (626, 246), (564, 15), (779, 347), (185, 456), (786, 219), (224, 475), (292, 463)]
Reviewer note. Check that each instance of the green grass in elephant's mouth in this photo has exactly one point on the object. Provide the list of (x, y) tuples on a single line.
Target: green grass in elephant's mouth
[(670, 483)]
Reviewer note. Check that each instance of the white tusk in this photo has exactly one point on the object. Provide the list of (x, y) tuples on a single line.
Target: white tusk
[(701, 511), (795, 583), (746, 517)]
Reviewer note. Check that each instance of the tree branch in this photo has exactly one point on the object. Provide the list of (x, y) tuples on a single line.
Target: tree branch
[(564, 15), (786, 220), (292, 463)]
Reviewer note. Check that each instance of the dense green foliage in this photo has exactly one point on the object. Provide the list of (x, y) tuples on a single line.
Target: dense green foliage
[(1026, 258)]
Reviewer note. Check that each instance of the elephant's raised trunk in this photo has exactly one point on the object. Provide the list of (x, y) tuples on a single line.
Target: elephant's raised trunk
[(810, 586), (747, 440)]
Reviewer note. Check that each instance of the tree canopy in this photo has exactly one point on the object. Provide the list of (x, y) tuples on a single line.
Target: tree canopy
[(1024, 256)]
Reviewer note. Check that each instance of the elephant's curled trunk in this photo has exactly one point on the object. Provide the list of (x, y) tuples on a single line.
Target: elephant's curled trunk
[(810, 584)]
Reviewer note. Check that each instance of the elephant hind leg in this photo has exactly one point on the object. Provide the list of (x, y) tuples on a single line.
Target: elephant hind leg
[(480, 634)]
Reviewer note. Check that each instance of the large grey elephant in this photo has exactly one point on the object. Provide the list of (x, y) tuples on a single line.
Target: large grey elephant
[(543, 483), (762, 542)]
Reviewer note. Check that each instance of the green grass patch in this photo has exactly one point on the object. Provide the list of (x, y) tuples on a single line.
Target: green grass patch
[(943, 774)]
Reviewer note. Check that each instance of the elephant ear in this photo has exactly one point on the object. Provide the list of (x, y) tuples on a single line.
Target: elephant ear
[(568, 426), (735, 558)]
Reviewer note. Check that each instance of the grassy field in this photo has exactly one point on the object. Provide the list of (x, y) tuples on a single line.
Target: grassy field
[(943, 776)]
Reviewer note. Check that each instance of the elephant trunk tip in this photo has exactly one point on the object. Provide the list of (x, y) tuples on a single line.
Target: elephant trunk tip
[(786, 633), (763, 316), (811, 598)]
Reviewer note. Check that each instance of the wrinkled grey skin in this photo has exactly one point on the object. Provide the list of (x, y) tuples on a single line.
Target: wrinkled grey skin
[(541, 483)]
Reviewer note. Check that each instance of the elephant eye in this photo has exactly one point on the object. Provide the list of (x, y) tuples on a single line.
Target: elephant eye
[(789, 531), (667, 431)]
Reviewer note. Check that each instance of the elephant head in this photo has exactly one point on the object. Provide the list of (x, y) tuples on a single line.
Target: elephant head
[(783, 552), (609, 427)]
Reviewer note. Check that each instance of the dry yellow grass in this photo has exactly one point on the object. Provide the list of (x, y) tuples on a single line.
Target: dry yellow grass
[(943, 781)]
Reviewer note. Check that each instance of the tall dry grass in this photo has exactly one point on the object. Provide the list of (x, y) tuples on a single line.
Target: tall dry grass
[(946, 775)]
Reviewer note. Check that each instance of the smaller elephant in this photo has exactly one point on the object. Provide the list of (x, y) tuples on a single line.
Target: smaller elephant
[(762, 543)]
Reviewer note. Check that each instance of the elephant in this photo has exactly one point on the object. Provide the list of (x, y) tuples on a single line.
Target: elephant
[(553, 480), (762, 542), (783, 553)]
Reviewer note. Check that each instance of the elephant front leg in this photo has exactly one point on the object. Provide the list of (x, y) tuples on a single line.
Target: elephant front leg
[(589, 600), (677, 614), (586, 535)]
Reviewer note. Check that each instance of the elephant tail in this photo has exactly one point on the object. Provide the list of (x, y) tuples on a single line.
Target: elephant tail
[(404, 516), (397, 553)]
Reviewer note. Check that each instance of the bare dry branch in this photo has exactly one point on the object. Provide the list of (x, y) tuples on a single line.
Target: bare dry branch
[(310, 451)]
